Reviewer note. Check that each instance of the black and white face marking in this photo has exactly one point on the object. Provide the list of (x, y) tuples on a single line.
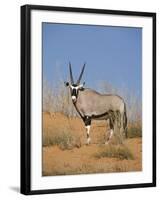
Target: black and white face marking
[(74, 91), (74, 88)]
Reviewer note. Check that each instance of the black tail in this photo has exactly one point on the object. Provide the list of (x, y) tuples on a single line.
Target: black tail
[(125, 121)]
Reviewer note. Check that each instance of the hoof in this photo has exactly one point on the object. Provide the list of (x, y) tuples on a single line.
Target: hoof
[(107, 142)]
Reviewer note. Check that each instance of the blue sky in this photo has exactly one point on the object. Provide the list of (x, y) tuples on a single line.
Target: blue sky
[(112, 54)]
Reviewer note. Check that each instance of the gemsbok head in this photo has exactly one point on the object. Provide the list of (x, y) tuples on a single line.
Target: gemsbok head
[(75, 87)]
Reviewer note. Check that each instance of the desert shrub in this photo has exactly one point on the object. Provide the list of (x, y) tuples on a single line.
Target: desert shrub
[(56, 98), (115, 151), (48, 97), (62, 138), (117, 139), (134, 130)]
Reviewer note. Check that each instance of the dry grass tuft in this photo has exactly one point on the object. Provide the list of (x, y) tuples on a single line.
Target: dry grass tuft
[(134, 130), (63, 138), (115, 151)]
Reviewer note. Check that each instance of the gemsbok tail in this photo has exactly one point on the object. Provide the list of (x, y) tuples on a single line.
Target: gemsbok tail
[(125, 121)]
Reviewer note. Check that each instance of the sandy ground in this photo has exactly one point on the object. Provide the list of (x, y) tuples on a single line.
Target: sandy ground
[(81, 158)]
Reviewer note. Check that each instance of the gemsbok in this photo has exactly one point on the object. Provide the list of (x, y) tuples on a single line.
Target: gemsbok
[(92, 105)]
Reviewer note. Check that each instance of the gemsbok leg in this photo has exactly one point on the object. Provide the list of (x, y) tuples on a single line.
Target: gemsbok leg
[(87, 121), (111, 130)]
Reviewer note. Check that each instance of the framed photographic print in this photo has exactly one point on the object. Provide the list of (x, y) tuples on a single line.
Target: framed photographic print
[(88, 99)]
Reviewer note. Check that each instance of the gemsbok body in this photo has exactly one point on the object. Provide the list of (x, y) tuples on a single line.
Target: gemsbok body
[(92, 105)]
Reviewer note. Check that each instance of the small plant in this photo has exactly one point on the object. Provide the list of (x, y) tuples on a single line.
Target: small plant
[(134, 130), (63, 138), (115, 151)]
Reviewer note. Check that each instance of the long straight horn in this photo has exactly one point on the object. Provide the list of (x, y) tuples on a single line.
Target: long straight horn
[(71, 76), (80, 76)]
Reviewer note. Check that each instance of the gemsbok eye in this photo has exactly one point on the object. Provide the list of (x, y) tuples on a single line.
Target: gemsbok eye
[(66, 84)]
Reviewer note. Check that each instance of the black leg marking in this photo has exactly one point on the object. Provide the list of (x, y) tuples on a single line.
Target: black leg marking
[(111, 123), (87, 120)]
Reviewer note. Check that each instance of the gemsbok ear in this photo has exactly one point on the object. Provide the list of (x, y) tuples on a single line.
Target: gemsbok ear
[(81, 87), (66, 84)]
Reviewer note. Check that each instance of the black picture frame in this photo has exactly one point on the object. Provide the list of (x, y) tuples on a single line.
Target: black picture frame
[(26, 88)]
